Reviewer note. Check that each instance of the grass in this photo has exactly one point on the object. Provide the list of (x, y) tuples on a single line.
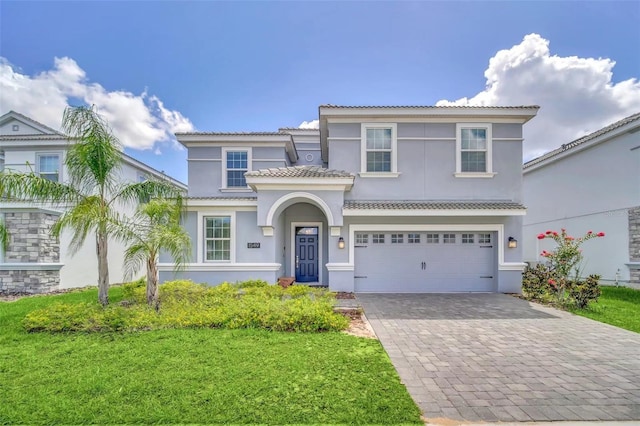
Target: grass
[(619, 306), (202, 376)]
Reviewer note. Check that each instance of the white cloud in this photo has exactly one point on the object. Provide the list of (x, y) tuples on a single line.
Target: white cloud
[(576, 95), (139, 121), (313, 124)]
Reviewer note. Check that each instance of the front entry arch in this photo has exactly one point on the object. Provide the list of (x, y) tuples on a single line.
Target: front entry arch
[(297, 197)]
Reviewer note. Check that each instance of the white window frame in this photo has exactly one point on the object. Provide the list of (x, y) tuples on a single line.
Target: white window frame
[(378, 238), (484, 238), (397, 238), (394, 150), (202, 247), (414, 238), (362, 238), (225, 150), (49, 154), (488, 173)]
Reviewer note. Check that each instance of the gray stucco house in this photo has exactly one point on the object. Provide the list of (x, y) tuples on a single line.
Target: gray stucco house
[(379, 199), (590, 184)]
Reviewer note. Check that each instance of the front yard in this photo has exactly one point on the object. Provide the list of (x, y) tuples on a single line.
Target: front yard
[(619, 306), (192, 375)]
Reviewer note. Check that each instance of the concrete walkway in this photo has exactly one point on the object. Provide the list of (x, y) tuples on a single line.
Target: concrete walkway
[(492, 357)]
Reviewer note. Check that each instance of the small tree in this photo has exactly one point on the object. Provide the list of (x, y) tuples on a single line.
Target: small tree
[(155, 227), (565, 260)]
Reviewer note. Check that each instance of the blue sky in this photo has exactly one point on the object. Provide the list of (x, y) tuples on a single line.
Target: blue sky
[(158, 67)]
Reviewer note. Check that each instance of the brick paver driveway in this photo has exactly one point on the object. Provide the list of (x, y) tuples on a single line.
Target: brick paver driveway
[(493, 357)]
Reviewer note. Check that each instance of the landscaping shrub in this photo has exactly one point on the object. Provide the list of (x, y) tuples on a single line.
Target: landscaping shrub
[(583, 292), (252, 304), (553, 281), (535, 282), (253, 283)]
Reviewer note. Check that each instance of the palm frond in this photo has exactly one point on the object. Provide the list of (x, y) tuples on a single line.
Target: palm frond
[(34, 188), (143, 192), (96, 153), (135, 257), (156, 226), (81, 219)]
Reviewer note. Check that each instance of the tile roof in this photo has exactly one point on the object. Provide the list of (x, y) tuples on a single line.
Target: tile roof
[(232, 133), (306, 129), (582, 140), (429, 106), (434, 205), (37, 137), (300, 172), (224, 198)]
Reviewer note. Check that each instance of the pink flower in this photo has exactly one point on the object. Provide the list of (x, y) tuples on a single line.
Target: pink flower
[(563, 230), (555, 234), (552, 282), (541, 236), (548, 232), (600, 234), (589, 232), (569, 238)]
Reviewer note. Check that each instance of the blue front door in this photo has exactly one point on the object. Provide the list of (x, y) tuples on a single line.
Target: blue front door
[(306, 254)]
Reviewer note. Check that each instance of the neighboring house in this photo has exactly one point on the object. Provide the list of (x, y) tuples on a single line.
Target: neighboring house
[(379, 199), (35, 261), (590, 184)]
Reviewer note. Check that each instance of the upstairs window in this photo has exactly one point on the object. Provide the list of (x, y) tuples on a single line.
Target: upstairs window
[(473, 150), (236, 163), (379, 150), (49, 166)]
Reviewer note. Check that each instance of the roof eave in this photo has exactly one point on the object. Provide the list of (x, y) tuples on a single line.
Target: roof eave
[(433, 212), (537, 163)]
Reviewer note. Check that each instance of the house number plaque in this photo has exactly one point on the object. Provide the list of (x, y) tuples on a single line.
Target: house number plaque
[(253, 245)]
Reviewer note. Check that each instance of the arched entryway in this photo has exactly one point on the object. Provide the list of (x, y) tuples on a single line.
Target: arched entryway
[(301, 234)]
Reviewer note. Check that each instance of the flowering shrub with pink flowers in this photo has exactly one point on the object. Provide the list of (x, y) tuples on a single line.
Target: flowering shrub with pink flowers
[(558, 279)]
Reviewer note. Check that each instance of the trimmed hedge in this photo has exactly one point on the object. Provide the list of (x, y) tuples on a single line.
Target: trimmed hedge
[(185, 304)]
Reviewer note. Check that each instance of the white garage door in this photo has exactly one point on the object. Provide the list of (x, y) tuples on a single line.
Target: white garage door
[(424, 262)]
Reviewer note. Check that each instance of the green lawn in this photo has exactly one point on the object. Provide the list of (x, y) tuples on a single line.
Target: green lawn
[(192, 376), (619, 306)]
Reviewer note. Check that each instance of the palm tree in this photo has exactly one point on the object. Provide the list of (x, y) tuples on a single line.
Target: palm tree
[(155, 227), (94, 193)]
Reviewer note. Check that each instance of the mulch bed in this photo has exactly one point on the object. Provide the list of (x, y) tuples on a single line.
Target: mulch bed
[(345, 295)]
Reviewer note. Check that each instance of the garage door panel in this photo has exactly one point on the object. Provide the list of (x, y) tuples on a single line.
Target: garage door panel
[(425, 267)]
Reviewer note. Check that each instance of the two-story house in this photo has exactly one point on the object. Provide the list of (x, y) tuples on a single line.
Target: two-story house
[(35, 261), (379, 199), (590, 184)]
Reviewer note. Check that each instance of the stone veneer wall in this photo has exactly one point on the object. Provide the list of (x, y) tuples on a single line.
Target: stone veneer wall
[(634, 244), (30, 241)]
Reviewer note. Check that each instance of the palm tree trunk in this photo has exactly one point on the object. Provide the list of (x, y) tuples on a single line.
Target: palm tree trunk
[(153, 292), (103, 269)]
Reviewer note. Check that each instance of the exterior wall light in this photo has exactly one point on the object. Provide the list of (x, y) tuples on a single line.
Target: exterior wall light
[(340, 243), (513, 243)]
